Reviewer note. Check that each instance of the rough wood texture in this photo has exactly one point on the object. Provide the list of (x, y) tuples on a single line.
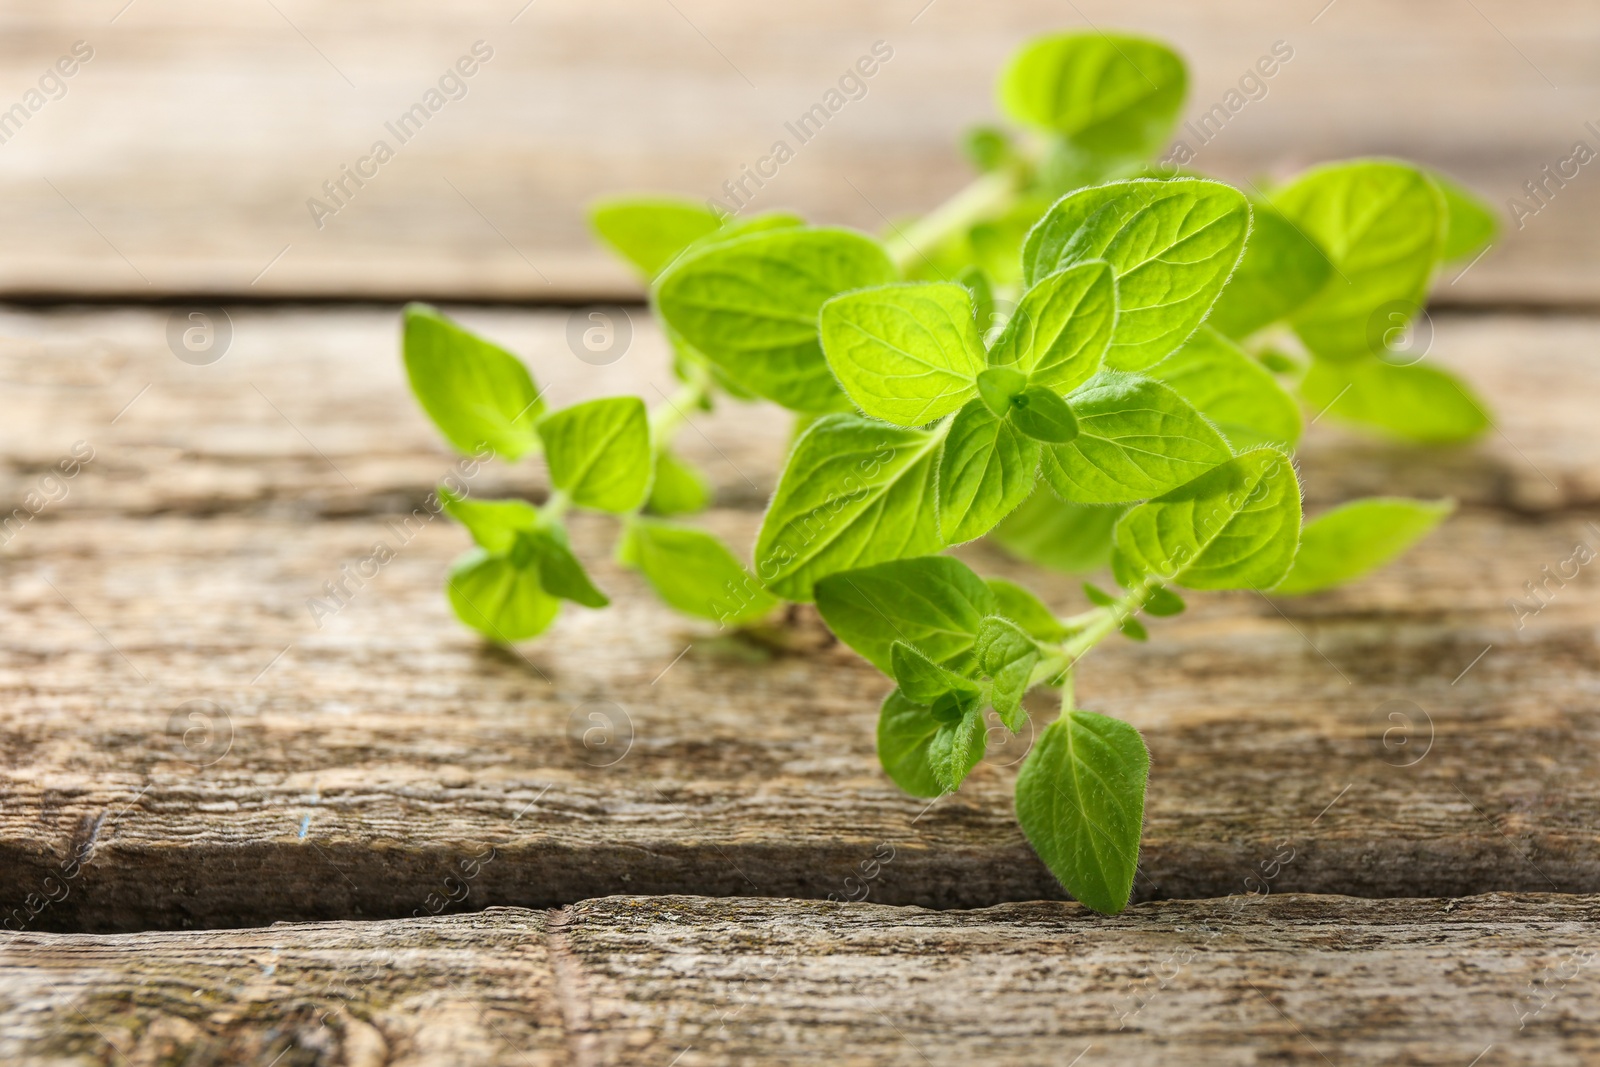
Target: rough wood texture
[(355, 765), (308, 413), (691, 981), (182, 157), (366, 760)]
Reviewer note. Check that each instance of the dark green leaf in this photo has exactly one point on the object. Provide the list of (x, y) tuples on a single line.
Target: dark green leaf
[(1080, 800), (935, 603), (1161, 601), (1008, 655), (1013, 602), (924, 681)]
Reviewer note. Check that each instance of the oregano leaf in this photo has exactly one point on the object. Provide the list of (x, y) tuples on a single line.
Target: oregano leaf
[(1137, 438), (1049, 532), (1013, 602), (854, 492), (1281, 269), (1080, 800), (1171, 244), (694, 572), (650, 231), (1419, 403), (1059, 333), (986, 468), (477, 394), (498, 599), (493, 524), (1008, 655), (1358, 538), (1235, 392), (1234, 527), (934, 603), (599, 453), (906, 353)]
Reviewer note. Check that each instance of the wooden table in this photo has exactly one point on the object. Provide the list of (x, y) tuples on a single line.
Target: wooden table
[(381, 841)]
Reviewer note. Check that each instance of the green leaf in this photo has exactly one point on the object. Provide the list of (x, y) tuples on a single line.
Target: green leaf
[(1012, 601), (497, 598), (1008, 655), (1097, 596), (1161, 601), (1357, 538), (1235, 392), (544, 551), (855, 492), (493, 524), (1050, 532), (905, 353), (1234, 527), (1061, 329), (1171, 244), (1382, 226), (477, 394), (679, 487), (986, 469), (934, 603), (956, 747), (905, 732), (750, 305), (1136, 439), (1417, 403), (1044, 416), (1108, 95), (649, 231), (924, 681), (1134, 630), (1470, 222), (1282, 268), (998, 387), (1080, 800), (981, 290), (599, 453), (694, 572)]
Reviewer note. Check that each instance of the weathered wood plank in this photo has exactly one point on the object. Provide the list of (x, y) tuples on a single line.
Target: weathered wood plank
[(183, 155), (648, 980), (308, 413), (467, 990), (366, 759)]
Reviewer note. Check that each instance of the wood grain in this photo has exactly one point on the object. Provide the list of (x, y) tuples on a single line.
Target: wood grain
[(182, 157), (347, 770), (307, 413), (656, 980)]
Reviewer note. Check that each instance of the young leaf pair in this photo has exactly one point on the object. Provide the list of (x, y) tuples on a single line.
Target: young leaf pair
[(602, 455)]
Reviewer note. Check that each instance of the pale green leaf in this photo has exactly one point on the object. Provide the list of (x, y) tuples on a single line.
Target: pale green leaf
[(599, 453), (855, 492), (1137, 438), (1171, 244), (1382, 226), (1234, 527), (1358, 538), (986, 469), (1049, 532), (750, 306), (1012, 601), (905, 353), (545, 552), (1282, 268), (1471, 223), (1419, 403), (493, 524), (477, 394), (679, 487), (935, 603), (694, 572), (1061, 328), (1235, 392), (1108, 95), (1044, 416), (1080, 800), (649, 231), (497, 598)]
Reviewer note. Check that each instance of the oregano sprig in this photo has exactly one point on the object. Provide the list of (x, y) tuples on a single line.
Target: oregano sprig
[(1092, 357)]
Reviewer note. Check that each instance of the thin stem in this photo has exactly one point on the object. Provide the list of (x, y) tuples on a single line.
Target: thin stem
[(985, 196), (1106, 621), (555, 505), (669, 416)]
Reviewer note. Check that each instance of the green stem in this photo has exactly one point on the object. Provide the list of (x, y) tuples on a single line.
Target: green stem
[(668, 418), (1103, 622), (986, 196), (555, 506)]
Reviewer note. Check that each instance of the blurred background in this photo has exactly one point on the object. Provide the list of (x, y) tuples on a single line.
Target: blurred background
[(181, 155)]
